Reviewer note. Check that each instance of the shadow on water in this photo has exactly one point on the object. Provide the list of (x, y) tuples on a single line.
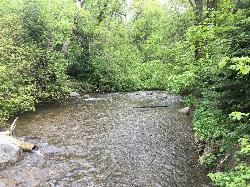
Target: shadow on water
[(107, 142)]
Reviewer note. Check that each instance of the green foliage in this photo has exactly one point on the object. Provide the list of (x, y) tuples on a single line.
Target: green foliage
[(208, 160), (191, 100), (238, 177), (31, 70), (241, 65), (221, 67), (144, 51), (244, 151), (209, 122), (238, 115), (240, 174)]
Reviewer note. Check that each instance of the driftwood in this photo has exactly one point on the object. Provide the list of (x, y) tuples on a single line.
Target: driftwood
[(7, 136), (13, 127), (157, 106)]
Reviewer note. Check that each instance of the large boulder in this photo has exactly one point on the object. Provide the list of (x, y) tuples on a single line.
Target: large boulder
[(9, 152)]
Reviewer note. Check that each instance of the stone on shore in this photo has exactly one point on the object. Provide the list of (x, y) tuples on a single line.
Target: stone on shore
[(186, 110), (74, 94), (11, 148), (9, 152)]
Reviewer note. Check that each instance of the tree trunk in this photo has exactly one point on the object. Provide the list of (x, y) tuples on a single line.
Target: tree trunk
[(199, 10)]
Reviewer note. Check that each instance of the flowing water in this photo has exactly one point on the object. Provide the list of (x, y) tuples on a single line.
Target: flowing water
[(108, 140)]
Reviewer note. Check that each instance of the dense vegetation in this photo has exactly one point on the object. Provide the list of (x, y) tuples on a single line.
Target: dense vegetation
[(196, 48)]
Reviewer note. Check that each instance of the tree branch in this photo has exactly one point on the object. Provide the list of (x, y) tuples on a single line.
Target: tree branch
[(12, 127)]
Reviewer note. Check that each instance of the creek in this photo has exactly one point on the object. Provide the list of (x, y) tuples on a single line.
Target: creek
[(108, 140)]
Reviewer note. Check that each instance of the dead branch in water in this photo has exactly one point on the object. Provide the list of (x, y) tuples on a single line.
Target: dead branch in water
[(158, 106), (13, 127)]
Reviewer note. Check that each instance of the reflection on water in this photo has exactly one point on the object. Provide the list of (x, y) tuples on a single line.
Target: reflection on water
[(106, 142)]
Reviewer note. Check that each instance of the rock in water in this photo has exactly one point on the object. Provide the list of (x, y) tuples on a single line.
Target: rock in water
[(86, 96), (186, 110), (74, 94), (9, 153)]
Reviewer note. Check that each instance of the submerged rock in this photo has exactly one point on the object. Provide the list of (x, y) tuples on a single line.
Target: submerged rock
[(150, 93), (86, 96), (186, 110), (9, 153)]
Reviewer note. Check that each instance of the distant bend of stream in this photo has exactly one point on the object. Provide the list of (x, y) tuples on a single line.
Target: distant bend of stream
[(108, 141)]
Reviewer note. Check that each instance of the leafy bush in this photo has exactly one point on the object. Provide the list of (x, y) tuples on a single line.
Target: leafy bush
[(240, 174), (30, 69), (208, 160), (238, 177)]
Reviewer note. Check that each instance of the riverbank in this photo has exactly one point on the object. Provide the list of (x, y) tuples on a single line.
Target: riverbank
[(222, 152)]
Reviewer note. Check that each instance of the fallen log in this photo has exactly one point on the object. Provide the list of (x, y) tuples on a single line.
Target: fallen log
[(157, 106)]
